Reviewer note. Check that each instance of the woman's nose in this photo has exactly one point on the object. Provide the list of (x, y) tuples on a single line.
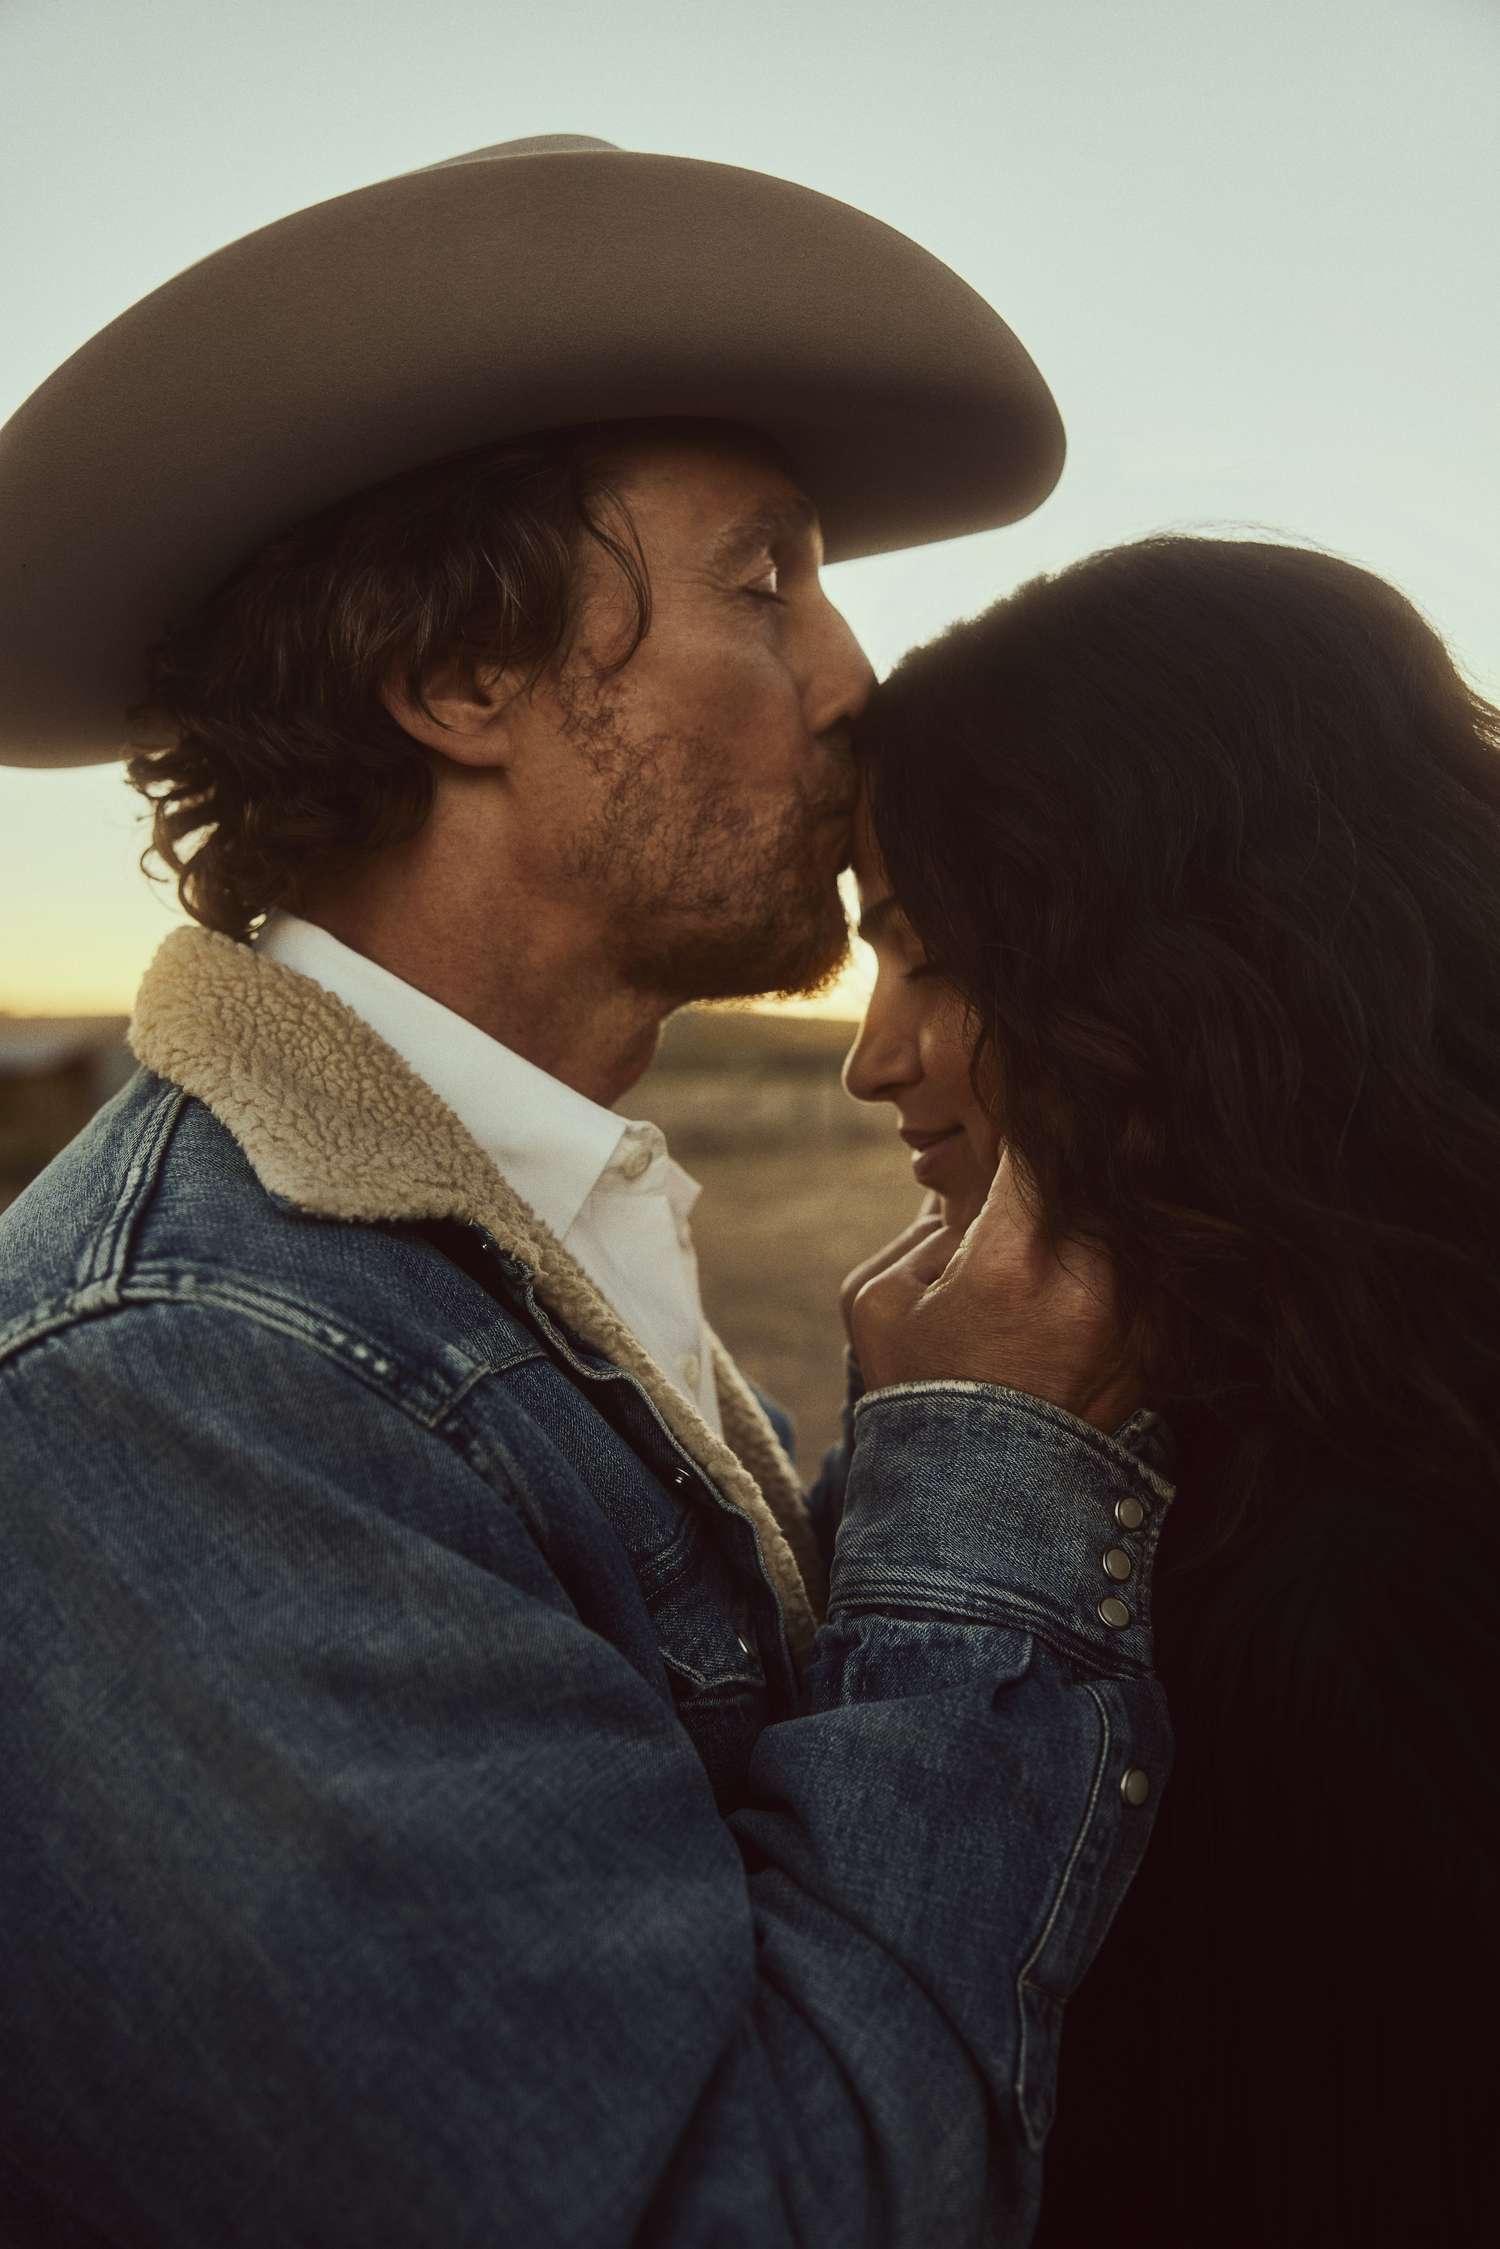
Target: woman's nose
[(880, 1063)]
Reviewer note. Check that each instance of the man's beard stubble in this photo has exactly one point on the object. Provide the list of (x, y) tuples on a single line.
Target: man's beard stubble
[(707, 907)]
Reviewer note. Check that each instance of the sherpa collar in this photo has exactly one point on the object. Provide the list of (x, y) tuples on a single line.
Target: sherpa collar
[(337, 1122)]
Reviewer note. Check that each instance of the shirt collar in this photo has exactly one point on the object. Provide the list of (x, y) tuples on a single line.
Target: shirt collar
[(550, 1142)]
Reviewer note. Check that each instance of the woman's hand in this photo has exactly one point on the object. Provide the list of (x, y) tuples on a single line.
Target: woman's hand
[(928, 1222), (993, 1304)]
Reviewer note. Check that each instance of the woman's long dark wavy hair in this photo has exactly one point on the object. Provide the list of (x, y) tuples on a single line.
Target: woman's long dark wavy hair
[(1206, 832)]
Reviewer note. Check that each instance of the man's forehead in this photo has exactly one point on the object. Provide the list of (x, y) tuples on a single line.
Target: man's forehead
[(773, 522), (733, 488)]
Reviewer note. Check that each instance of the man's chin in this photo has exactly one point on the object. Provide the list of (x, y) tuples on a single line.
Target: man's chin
[(809, 984), (755, 966)]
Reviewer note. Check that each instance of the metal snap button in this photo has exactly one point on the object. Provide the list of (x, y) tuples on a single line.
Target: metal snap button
[(1117, 1563), (680, 1479), (744, 1644), (1114, 1612), (1136, 1786), (1129, 1514)]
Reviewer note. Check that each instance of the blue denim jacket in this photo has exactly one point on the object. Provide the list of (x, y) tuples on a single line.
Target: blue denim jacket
[(420, 1824)]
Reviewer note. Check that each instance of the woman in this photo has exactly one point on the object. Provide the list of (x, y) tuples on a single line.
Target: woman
[(1184, 888)]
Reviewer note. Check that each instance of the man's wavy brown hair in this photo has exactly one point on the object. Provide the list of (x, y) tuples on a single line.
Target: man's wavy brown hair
[(1206, 832), (263, 744)]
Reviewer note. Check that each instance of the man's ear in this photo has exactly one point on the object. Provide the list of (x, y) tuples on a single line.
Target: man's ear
[(468, 711)]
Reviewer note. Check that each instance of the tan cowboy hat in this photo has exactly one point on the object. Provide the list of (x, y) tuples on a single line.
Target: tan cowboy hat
[(529, 286)]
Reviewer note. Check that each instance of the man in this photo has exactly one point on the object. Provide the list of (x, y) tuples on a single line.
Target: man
[(444, 1802)]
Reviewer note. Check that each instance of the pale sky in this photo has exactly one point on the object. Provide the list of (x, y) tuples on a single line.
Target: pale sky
[(1253, 245)]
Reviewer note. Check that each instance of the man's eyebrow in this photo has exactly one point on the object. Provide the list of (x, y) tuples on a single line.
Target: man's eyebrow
[(770, 526), (874, 918)]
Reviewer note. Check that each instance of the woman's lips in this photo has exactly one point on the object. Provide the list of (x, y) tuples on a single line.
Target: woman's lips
[(926, 1150)]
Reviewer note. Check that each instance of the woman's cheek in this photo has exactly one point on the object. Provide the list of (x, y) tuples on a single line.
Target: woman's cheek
[(963, 1205)]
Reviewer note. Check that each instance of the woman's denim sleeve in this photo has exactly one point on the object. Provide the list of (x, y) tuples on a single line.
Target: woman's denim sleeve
[(358, 1893), (825, 1502), (955, 1816)]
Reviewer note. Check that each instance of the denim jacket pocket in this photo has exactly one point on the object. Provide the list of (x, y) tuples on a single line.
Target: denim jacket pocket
[(705, 1633)]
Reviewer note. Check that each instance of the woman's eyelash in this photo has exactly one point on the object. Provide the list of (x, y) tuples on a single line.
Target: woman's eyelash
[(921, 968)]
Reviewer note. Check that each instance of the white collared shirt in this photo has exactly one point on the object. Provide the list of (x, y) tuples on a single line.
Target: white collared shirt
[(605, 1185)]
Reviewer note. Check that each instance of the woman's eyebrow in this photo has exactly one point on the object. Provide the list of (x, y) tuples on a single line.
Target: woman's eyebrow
[(770, 526)]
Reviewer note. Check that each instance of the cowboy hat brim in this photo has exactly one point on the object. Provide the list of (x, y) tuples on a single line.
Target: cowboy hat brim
[(524, 288)]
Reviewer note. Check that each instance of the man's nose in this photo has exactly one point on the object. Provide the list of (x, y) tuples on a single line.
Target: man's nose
[(843, 678)]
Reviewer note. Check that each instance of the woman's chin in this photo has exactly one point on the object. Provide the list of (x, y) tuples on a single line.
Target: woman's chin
[(948, 1169)]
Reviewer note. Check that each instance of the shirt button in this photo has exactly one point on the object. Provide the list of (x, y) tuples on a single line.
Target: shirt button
[(1117, 1563), (1129, 1514), (691, 1367), (1136, 1786), (634, 1163), (1114, 1612)]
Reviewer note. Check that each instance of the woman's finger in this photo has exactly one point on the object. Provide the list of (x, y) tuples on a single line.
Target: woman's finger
[(999, 1306), (888, 1254)]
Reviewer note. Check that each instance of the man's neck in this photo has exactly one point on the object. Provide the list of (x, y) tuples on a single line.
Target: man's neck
[(549, 999)]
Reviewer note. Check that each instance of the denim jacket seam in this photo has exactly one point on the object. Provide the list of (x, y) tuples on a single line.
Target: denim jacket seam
[(867, 1576), (234, 1293), (42, 1321), (433, 1428), (100, 1282), (1102, 1659), (363, 1361), (1024, 1973), (106, 1257), (1040, 1413)]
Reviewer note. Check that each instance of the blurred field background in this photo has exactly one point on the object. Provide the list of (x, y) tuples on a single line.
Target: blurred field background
[(799, 1182)]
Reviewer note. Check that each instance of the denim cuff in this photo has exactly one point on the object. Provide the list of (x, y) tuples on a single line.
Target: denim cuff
[(979, 1504)]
